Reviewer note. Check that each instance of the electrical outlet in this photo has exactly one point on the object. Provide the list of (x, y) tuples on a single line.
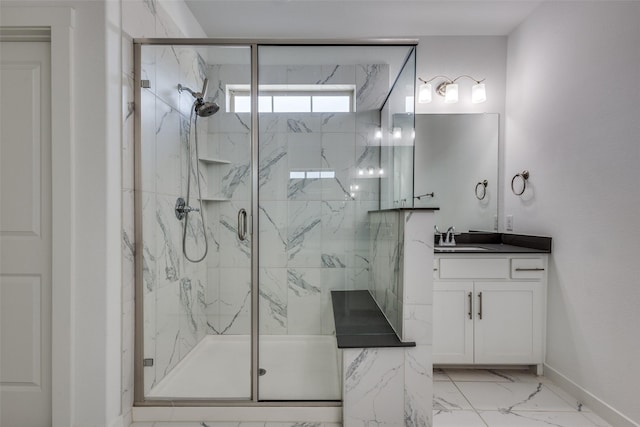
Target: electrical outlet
[(509, 222)]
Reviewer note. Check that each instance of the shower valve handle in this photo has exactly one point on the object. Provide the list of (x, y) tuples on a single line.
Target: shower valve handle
[(182, 209)]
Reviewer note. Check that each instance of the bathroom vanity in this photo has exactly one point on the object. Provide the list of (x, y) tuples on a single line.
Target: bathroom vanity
[(489, 301)]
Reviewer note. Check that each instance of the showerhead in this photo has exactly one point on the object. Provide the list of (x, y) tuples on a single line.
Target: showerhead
[(206, 109), (203, 109)]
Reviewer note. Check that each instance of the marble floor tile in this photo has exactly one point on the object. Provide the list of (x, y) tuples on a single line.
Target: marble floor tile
[(447, 397), (596, 420), (533, 419), (572, 401), (440, 375), (490, 375), (512, 397), (457, 419)]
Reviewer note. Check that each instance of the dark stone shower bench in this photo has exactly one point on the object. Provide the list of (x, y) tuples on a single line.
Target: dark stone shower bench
[(360, 322)]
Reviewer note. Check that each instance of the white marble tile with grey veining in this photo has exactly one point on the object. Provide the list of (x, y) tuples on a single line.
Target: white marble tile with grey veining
[(373, 387), (235, 301), (418, 386), (372, 86), (273, 167), (304, 234), (304, 301), (337, 153), (273, 301), (533, 419), (338, 123), (509, 397), (273, 217), (167, 351), (337, 74), (169, 150)]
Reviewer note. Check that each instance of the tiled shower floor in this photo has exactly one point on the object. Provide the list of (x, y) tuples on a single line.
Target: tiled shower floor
[(504, 398)]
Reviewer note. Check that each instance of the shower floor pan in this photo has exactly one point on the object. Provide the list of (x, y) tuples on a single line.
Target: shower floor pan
[(297, 367)]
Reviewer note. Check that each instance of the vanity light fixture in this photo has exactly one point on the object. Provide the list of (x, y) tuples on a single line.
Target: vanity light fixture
[(449, 89)]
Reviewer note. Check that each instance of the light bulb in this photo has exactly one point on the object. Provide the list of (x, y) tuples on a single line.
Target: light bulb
[(478, 93), (397, 133), (451, 94), (370, 171), (360, 172), (424, 93), (378, 134), (381, 171)]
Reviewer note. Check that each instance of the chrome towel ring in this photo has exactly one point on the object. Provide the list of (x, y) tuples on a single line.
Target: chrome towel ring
[(482, 186), (524, 176)]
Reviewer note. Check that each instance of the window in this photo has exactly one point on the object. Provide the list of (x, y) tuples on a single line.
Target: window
[(293, 98)]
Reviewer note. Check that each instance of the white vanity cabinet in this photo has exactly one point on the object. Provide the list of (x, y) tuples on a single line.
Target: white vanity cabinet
[(489, 309)]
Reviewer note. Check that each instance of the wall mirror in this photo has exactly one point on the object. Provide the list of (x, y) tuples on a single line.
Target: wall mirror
[(456, 169)]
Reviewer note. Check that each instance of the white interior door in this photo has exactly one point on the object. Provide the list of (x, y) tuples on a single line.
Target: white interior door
[(25, 234)]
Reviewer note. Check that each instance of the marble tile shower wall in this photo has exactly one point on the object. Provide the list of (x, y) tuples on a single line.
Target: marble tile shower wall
[(313, 232), (174, 299), (140, 19)]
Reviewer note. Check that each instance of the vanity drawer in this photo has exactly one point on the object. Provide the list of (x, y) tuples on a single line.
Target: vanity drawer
[(474, 268), (527, 268)]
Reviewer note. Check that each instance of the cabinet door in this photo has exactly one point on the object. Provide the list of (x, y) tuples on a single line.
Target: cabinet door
[(453, 322), (508, 327)]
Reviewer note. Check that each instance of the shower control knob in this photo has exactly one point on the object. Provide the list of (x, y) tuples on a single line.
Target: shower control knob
[(182, 209)]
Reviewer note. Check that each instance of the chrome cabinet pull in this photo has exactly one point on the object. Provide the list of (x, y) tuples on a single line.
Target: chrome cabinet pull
[(470, 305), (242, 224), (530, 269), (480, 307)]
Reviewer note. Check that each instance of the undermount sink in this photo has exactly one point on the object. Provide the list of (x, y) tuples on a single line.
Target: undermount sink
[(460, 248)]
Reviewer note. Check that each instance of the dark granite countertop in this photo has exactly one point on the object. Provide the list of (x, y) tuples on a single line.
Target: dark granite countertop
[(360, 323), (497, 243)]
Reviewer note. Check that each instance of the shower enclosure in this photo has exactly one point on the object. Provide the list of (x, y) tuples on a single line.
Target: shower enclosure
[(277, 153)]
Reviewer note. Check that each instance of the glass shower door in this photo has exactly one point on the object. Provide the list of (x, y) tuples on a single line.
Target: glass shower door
[(194, 194), (319, 175)]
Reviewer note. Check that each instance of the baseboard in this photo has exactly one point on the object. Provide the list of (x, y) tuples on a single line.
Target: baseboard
[(601, 408)]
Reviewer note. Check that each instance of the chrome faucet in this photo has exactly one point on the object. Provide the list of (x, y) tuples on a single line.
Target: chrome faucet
[(439, 234), (449, 239)]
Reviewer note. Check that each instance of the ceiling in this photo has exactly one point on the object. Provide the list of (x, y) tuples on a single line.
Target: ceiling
[(349, 19)]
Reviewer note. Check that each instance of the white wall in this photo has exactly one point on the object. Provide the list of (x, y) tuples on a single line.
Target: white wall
[(573, 121), (95, 207), (480, 57)]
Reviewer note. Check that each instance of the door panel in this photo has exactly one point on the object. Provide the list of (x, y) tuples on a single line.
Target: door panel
[(452, 325), (25, 235), (508, 331)]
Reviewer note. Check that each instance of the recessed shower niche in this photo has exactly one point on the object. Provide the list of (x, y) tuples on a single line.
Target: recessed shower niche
[(276, 186)]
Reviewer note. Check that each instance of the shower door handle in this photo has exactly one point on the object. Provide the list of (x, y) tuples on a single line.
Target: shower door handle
[(242, 224)]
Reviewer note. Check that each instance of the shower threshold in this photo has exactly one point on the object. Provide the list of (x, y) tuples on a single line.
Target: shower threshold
[(297, 367)]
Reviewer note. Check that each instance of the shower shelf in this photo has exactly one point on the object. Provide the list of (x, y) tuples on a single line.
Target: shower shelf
[(214, 160), (215, 199)]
